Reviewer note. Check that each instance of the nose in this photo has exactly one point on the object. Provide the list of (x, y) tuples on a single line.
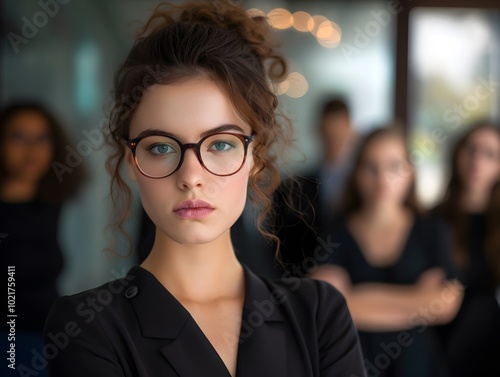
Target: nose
[(191, 173)]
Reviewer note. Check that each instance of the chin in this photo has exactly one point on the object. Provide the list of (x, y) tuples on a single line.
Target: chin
[(194, 235)]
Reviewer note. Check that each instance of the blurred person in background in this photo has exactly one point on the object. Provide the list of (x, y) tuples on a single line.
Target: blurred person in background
[(471, 207), (392, 264), (31, 196), (316, 194)]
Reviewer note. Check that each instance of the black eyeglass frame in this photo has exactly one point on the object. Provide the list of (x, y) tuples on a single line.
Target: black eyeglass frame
[(245, 139)]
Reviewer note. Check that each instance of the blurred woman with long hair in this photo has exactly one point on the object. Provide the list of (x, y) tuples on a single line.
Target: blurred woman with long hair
[(392, 264), (471, 207), (31, 196)]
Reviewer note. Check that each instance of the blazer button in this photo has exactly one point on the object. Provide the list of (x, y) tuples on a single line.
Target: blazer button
[(131, 291)]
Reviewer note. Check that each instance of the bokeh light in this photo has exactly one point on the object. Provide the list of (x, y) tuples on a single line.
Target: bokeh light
[(298, 85), (280, 18), (301, 20), (329, 34), (314, 22), (282, 87)]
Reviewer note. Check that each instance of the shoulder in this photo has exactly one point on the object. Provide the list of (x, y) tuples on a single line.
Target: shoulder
[(318, 312), (107, 300), (86, 333), (308, 297)]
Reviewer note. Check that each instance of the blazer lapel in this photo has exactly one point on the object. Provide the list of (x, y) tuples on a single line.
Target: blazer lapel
[(188, 352), (262, 344), (191, 354)]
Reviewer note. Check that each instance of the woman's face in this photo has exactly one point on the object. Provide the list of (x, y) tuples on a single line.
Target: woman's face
[(188, 111), (384, 175), (479, 160), (27, 146)]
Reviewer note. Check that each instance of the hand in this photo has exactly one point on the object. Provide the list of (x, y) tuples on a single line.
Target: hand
[(432, 278)]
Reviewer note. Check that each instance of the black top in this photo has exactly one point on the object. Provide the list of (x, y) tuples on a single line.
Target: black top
[(477, 276), (134, 327), (427, 246), (473, 338), (28, 241)]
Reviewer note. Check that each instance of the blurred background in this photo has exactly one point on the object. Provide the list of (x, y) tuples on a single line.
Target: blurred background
[(433, 65)]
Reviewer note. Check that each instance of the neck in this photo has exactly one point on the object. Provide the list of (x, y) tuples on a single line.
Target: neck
[(337, 153), (474, 200), (17, 190), (201, 273), (381, 215)]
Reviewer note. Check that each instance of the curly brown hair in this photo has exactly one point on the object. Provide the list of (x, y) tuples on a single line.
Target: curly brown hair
[(217, 40)]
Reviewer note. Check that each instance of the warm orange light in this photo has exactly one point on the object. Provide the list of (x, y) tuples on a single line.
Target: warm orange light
[(301, 20), (329, 34), (283, 87), (280, 18), (314, 22), (298, 85)]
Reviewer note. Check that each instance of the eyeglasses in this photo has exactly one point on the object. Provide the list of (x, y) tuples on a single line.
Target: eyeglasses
[(159, 155)]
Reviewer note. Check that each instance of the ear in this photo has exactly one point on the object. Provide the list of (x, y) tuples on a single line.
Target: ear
[(131, 168), (249, 162)]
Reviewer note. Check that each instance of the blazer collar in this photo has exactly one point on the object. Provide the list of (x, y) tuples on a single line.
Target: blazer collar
[(261, 349)]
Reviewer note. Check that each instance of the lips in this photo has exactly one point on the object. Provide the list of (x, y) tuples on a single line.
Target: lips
[(193, 209)]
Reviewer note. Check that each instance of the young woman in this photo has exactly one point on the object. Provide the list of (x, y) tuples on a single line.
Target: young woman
[(195, 124), (391, 264), (31, 196), (472, 209)]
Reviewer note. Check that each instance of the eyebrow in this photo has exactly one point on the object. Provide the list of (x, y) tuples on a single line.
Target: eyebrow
[(222, 128)]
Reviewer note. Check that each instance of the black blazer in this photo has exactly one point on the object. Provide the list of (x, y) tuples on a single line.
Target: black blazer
[(134, 327)]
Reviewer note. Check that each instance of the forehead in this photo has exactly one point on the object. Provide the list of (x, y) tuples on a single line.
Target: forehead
[(185, 109), (28, 121), (486, 137), (385, 147)]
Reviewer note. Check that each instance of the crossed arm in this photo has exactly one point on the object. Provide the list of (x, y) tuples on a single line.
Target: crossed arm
[(392, 307)]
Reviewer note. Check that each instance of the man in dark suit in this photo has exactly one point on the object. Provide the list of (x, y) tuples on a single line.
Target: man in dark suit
[(316, 196)]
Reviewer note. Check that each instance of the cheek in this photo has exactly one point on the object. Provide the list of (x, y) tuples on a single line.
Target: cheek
[(152, 191), (230, 191), (402, 187), (45, 154), (492, 170), (364, 183), (12, 156)]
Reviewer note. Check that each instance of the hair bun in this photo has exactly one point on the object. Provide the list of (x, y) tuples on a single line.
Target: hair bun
[(224, 14)]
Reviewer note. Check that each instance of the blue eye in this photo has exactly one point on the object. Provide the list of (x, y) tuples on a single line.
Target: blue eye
[(161, 149), (221, 146)]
